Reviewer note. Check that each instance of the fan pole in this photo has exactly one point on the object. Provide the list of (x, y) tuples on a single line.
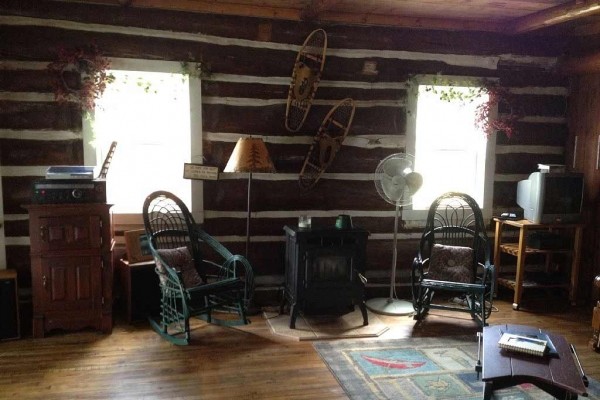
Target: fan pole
[(391, 305), (395, 255)]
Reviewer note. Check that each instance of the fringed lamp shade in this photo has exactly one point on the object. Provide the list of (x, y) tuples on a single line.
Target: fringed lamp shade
[(250, 155)]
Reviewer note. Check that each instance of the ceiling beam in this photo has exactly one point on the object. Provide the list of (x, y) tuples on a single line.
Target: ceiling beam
[(316, 11), (586, 29), (204, 6), (398, 21), (555, 15)]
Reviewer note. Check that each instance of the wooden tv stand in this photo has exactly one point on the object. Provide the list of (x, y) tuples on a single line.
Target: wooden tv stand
[(521, 250)]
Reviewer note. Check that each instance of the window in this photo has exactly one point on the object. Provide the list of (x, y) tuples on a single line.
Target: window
[(450, 152), (148, 114)]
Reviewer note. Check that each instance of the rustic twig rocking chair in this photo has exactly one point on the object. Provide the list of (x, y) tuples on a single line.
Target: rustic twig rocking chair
[(191, 284), (454, 256)]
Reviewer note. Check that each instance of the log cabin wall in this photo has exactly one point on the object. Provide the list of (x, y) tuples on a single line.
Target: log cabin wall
[(583, 147), (582, 63), (251, 62)]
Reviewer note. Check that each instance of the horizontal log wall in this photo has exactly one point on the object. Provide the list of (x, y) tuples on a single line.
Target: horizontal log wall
[(584, 120), (250, 62)]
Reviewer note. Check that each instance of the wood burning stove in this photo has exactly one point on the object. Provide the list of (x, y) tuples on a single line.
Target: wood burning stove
[(324, 270)]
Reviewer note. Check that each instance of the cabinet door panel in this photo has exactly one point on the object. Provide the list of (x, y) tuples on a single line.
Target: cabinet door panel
[(57, 282), (71, 283)]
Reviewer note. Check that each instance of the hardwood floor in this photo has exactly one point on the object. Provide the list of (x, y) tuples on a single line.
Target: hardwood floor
[(226, 363)]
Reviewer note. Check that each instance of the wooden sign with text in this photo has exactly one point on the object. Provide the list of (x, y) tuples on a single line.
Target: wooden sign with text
[(199, 171)]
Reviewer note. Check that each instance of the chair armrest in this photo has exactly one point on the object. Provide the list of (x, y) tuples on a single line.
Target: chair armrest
[(489, 275), (417, 273), (225, 285), (418, 264), (172, 276), (212, 242), (233, 266), (488, 269)]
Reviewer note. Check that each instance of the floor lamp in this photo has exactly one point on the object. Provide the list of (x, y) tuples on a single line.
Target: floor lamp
[(249, 155)]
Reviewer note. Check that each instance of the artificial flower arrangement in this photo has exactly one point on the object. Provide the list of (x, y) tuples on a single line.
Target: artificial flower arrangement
[(505, 122), (91, 77)]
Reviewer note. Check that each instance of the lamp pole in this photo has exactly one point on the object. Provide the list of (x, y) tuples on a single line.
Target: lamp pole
[(248, 216)]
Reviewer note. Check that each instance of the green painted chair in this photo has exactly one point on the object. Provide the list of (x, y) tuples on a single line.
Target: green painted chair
[(454, 258), (197, 274)]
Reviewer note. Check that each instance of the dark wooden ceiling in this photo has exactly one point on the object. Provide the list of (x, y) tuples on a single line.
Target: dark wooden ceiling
[(576, 17)]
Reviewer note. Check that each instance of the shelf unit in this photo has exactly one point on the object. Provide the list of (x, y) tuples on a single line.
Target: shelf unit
[(140, 289), (521, 251)]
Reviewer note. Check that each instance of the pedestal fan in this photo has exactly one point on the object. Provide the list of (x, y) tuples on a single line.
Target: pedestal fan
[(396, 182)]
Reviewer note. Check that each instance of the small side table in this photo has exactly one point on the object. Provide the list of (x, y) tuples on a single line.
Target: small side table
[(9, 305), (140, 289), (520, 250), (559, 376)]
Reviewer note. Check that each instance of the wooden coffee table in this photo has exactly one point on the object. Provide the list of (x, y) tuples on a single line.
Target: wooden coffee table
[(561, 376)]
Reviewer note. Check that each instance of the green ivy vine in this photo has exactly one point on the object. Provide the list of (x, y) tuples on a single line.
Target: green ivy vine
[(497, 96)]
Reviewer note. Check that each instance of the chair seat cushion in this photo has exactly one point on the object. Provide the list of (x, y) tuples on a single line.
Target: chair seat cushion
[(181, 260), (451, 263)]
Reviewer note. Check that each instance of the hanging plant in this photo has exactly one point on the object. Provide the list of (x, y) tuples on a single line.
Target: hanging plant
[(80, 76)]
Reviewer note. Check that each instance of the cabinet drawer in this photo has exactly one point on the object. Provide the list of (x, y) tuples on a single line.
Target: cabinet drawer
[(67, 233)]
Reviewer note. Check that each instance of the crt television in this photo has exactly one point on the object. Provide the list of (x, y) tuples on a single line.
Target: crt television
[(548, 197)]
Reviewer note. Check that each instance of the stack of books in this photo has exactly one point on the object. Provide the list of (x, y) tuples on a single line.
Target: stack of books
[(553, 168), (538, 345)]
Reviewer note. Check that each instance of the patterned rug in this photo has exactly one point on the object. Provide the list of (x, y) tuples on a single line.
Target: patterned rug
[(418, 368)]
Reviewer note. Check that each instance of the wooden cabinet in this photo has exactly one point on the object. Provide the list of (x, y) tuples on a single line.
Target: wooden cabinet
[(582, 155), (71, 267)]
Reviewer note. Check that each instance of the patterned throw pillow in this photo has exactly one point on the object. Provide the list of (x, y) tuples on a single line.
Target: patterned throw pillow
[(451, 263), (179, 259)]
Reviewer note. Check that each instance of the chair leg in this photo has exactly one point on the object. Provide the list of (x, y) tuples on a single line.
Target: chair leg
[(417, 301), (242, 312), (188, 334), (423, 299), (363, 310), (161, 329)]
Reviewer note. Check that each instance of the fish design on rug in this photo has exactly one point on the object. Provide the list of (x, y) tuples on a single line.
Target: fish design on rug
[(396, 364)]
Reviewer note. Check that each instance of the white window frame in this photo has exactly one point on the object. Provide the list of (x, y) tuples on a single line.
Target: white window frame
[(94, 156), (415, 216)]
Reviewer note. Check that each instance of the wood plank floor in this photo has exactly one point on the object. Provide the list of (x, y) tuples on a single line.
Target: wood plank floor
[(226, 363)]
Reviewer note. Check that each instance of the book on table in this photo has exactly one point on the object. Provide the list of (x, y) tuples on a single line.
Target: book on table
[(538, 345)]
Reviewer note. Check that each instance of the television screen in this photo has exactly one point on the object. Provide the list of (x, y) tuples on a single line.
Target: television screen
[(563, 195)]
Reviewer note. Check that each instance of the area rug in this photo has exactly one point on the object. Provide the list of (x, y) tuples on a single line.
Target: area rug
[(418, 368), (319, 327)]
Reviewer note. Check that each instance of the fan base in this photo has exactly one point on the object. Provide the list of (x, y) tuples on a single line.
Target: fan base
[(390, 306)]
